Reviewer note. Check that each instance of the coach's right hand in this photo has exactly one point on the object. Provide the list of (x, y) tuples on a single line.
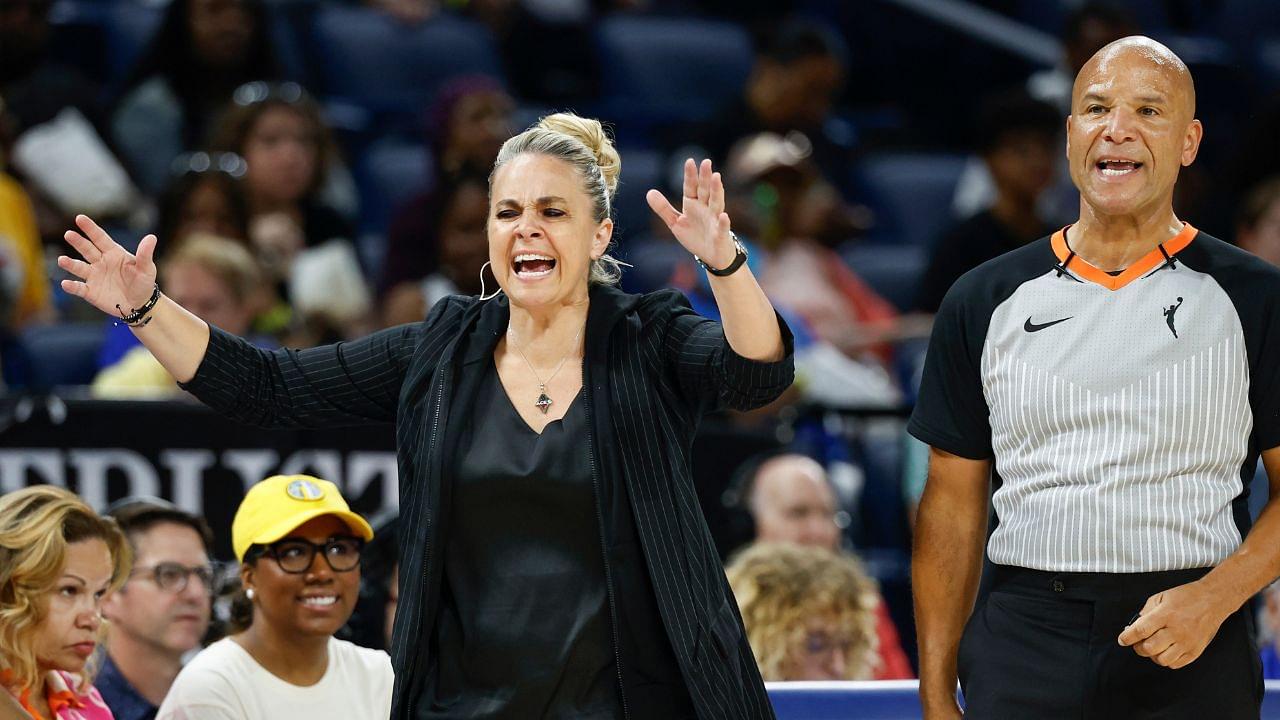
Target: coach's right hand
[(111, 279)]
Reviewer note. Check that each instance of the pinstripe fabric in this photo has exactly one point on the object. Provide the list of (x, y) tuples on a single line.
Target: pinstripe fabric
[(1123, 423), (653, 369)]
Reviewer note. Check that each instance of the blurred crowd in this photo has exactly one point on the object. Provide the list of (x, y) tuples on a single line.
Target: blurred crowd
[(305, 191)]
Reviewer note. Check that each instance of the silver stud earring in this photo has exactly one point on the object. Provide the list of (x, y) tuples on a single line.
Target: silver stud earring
[(249, 594)]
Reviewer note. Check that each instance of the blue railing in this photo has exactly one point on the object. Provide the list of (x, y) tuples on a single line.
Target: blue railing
[(890, 700)]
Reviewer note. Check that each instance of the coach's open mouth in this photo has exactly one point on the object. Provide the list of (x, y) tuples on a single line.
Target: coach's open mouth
[(533, 265)]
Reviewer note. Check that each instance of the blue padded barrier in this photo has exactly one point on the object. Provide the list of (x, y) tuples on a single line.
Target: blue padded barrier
[(890, 700)]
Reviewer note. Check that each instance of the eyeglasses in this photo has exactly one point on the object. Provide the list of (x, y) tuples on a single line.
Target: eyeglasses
[(258, 91), (199, 163), (173, 577), (295, 556)]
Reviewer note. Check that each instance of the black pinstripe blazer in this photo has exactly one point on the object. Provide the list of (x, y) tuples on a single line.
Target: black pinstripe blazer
[(653, 368)]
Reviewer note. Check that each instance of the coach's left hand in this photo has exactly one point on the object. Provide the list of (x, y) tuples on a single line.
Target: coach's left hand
[(1175, 626)]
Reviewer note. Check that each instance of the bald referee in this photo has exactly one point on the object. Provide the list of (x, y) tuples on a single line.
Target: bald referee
[(1116, 383)]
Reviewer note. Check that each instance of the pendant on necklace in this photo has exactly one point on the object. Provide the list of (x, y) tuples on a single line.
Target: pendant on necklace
[(543, 402)]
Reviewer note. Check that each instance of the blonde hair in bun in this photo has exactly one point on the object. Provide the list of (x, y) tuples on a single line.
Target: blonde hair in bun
[(584, 144)]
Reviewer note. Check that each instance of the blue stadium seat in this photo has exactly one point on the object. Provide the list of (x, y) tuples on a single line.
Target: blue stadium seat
[(893, 271), (390, 171), (668, 70), (911, 194), (368, 59), (129, 29), (641, 170), (59, 355)]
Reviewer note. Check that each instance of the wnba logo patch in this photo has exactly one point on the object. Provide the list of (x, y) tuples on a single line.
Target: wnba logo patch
[(304, 490)]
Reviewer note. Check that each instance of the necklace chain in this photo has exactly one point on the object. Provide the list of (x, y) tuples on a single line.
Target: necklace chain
[(543, 402)]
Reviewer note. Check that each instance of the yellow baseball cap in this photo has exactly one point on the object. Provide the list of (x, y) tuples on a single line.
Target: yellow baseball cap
[(276, 506)]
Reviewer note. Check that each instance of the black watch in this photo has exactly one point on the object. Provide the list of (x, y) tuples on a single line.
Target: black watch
[(738, 260)]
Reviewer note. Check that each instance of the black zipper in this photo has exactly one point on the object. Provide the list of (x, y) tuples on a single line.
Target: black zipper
[(604, 549), (426, 567)]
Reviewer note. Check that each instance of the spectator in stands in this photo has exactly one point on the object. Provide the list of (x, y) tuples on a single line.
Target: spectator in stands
[(463, 249), (161, 612), (299, 547), (217, 279), (57, 125), (1258, 228), (1088, 28), (204, 197), (409, 12), (809, 612), (786, 205), (465, 127), (58, 559), (203, 51), (798, 74), (304, 243), (791, 500), (24, 281), (1018, 141)]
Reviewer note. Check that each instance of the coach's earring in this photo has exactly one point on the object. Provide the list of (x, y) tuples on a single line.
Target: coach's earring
[(495, 292), (249, 594)]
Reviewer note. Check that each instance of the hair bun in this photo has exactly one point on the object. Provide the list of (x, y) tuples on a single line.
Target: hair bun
[(589, 132)]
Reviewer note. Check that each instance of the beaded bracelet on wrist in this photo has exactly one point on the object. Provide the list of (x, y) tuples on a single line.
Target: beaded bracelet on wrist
[(139, 317)]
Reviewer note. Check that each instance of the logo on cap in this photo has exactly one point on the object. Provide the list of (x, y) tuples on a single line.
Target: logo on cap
[(304, 490)]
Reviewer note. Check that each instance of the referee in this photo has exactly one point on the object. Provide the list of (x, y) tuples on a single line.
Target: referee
[(1115, 382)]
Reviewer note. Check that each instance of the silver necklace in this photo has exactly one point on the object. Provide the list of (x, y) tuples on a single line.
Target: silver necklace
[(543, 402)]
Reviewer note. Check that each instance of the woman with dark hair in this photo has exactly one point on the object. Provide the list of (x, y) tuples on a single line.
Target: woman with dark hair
[(202, 52), (464, 129), (288, 152), (299, 545), (304, 243), (204, 197), (456, 245)]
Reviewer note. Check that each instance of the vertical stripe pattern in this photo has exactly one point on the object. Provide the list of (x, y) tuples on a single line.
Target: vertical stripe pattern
[(1134, 480)]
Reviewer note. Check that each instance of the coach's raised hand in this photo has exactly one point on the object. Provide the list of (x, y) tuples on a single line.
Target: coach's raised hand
[(118, 282), (111, 278)]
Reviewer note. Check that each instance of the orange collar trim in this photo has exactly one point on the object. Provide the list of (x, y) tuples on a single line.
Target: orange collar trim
[(1144, 265)]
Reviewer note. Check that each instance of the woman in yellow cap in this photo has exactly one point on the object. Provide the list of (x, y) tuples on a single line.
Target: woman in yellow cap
[(553, 559), (299, 547)]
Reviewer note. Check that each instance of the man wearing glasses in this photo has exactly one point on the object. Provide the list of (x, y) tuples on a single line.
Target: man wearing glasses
[(163, 609)]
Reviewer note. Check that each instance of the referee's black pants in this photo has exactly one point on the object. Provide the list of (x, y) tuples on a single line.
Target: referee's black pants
[(1042, 645)]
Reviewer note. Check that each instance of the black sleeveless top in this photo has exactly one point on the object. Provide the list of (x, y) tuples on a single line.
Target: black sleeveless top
[(523, 630)]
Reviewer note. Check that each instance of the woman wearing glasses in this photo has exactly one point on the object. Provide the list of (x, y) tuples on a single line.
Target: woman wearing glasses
[(58, 559), (299, 547)]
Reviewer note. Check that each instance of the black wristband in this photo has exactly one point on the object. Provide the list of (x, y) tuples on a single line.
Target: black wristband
[(738, 260), (138, 316)]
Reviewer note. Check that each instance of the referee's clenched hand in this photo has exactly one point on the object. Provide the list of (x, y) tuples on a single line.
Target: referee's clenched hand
[(1176, 625)]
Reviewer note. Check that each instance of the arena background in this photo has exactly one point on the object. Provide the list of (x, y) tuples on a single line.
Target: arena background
[(904, 125)]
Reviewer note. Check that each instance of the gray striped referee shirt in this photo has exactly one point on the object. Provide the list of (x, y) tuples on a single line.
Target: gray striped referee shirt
[(1124, 413)]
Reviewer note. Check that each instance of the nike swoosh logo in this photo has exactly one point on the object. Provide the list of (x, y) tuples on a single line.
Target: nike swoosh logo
[(1032, 327)]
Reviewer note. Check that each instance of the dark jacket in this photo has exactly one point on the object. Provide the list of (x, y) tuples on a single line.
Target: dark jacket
[(653, 368)]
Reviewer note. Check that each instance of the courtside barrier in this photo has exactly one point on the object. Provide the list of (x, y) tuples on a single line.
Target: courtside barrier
[(890, 700)]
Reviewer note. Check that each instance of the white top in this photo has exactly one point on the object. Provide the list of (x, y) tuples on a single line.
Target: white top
[(225, 682)]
